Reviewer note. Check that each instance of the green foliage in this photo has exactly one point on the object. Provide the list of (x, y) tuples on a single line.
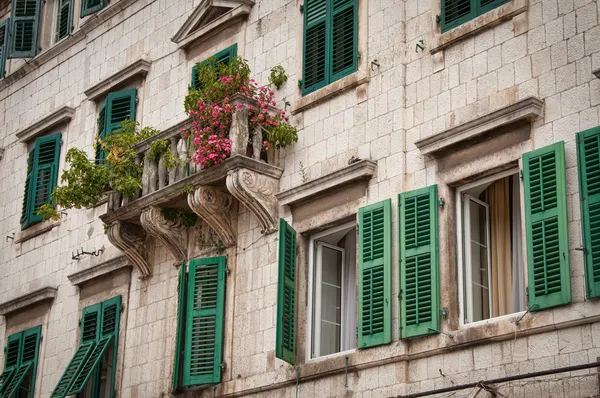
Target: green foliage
[(278, 76), (188, 219), (162, 148), (214, 245), (282, 135), (188, 189)]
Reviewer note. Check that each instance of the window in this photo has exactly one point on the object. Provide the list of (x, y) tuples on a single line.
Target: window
[(118, 107), (42, 174), (491, 247), (91, 6), (333, 291), (3, 43), (457, 12), (330, 42), (285, 347), (20, 366), (92, 370), (25, 24), (222, 57), (64, 18), (201, 315)]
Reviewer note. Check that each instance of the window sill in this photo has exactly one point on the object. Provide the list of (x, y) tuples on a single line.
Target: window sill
[(492, 18), (359, 77), (36, 230), (331, 356)]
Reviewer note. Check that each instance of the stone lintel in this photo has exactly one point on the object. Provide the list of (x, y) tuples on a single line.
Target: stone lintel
[(102, 269), (141, 67), (61, 115), (19, 303)]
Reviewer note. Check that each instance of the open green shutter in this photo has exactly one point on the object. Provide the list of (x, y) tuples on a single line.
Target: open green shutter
[(419, 286), (205, 321), (45, 172), (73, 369), (315, 60), (5, 378), (111, 314), (90, 365), (120, 106), (179, 339), (344, 36), (195, 81), (588, 162), (25, 18), (27, 201), (456, 12), (13, 353), (4, 40), (222, 57), (546, 226), (91, 6), (64, 23), (286, 295), (21, 362), (90, 322), (374, 274), (14, 384)]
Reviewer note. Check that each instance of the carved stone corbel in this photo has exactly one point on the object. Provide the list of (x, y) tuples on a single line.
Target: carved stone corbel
[(173, 234), (133, 241), (257, 192), (215, 207)]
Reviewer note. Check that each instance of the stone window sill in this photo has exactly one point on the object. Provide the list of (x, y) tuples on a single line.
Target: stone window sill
[(492, 18), (36, 230), (359, 77)]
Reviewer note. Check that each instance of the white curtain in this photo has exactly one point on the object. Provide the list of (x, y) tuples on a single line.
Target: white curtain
[(350, 296), (518, 277)]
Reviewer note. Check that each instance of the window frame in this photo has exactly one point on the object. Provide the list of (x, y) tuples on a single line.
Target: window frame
[(460, 257), (310, 285), (84, 11), (56, 21)]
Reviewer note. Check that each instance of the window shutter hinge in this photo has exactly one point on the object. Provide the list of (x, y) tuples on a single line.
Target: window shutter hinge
[(137, 99), (227, 271), (582, 249), (223, 365), (438, 19), (441, 202), (299, 83), (444, 313), (302, 8), (400, 295), (521, 175)]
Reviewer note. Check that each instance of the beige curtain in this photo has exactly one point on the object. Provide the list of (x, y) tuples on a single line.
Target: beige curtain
[(498, 197)]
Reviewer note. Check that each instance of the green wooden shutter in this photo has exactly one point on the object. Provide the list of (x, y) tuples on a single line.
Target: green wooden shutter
[(73, 368), (195, 82), (64, 23), (15, 382), (487, 5), (588, 162), (286, 295), (25, 18), (120, 106), (315, 61), (4, 40), (111, 314), (11, 362), (91, 6), (374, 274), (419, 286), (90, 322), (546, 226), (222, 57), (179, 339), (456, 12), (27, 201), (21, 361), (45, 173), (205, 321), (90, 364), (5, 378), (100, 155), (344, 36)]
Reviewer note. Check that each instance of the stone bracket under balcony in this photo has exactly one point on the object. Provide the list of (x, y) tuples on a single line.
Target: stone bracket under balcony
[(134, 242), (171, 233), (216, 208)]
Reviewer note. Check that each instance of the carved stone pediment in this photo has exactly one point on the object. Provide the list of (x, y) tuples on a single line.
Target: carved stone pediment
[(216, 208), (257, 192), (133, 241), (172, 233)]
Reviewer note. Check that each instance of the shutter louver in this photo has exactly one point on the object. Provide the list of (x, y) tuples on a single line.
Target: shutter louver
[(15, 382), (285, 348), (25, 212), (90, 321), (120, 106), (315, 45), (344, 38), (90, 6), (25, 26), (546, 226), (205, 317), (456, 12), (65, 16), (90, 364), (419, 285), (179, 340), (21, 362), (374, 279), (4, 39), (73, 368), (5, 379), (100, 155), (111, 311), (588, 162), (222, 57), (195, 81)]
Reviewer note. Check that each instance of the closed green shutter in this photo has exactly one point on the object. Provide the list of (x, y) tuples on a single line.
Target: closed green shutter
[(27, 202), (73, 368), (487, 5), (222, 57), (419, 286), (205, 321), (179, 339), (91, 6), (344, 36), (588, 162), (286, 295), (4, 40), (457, 12), (120, 106), (25, 18), (21, 362), (100, 155), (315, 45), (64, 23), (546, 226), (374, 274)]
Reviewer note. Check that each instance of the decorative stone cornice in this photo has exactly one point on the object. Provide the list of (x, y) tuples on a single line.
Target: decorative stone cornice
[(19, 303), (257, 192), (135, 244), (99, 270), (60, 116), (215, 207), (172, 233), (475, 130), (141, 67)]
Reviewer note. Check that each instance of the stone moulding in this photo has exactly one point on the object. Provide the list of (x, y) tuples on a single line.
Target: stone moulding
[(362, 170), (141, 67), (257, 192), (62, 115), (19, 303), (523, 111), (133, 241), (99, 270), (215, 207), (173, 234)]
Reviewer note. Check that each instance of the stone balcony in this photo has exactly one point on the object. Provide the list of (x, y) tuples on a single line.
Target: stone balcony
[(212, 194)]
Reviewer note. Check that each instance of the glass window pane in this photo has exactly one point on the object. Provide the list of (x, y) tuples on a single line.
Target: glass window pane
[(331, 296), (479, 267)]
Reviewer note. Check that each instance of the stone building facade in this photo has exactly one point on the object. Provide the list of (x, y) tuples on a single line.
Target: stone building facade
[(458, 245)]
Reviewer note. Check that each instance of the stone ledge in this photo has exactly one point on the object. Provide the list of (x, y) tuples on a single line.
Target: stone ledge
[(356, 172), (474, 131), (39, 127), (99, 270), (597, 73), (141, 67), (27, 300), (36, 230)]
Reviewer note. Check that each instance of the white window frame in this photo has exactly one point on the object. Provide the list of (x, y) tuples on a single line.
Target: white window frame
[(460, 245), (311, 274)]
